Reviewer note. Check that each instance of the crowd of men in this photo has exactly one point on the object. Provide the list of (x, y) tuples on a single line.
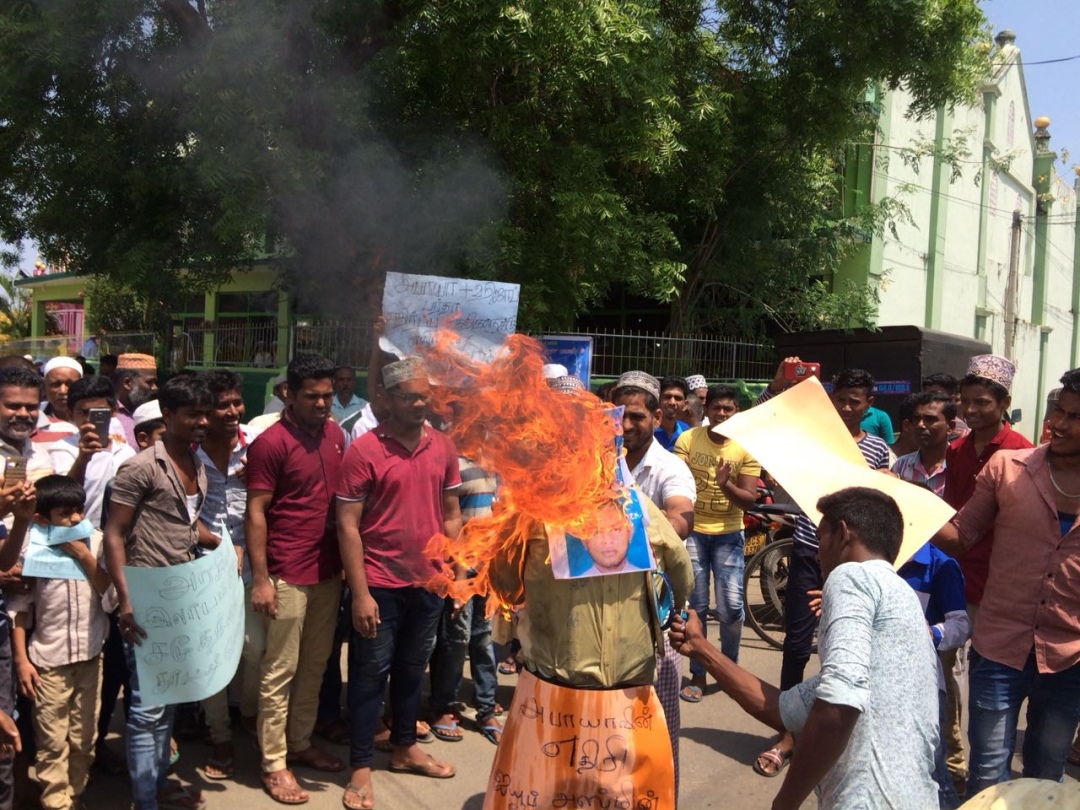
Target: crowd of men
[(330, 502)]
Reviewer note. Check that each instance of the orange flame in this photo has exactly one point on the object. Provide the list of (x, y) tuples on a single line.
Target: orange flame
[(554, 454)]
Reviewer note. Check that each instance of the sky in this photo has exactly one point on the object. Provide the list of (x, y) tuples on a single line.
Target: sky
[(1045, 29)]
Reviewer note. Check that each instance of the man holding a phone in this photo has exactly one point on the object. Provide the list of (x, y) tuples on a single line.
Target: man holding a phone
[(92, 456)]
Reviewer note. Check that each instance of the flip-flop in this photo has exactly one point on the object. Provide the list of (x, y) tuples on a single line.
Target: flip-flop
[(442, 731), (361, 793), (423, 733), (691, 694), (777, 756), (428, 768), (222, 768), (492, 732), (509, 667)]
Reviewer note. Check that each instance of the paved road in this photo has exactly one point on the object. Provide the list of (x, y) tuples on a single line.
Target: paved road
[(719, 743)]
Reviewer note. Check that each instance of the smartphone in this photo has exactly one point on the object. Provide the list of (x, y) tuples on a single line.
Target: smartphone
[(800, 371), (99, 418), (14, 470)]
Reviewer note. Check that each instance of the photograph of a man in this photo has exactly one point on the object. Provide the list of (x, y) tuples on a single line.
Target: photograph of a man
[(618, 546)]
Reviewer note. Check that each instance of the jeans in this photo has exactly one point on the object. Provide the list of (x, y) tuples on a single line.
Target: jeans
[(114, 677), (996, 694), (404, 639), (330, 691), (471, 630), (722, 556), (804, 574), (947, 798), (149, 729)]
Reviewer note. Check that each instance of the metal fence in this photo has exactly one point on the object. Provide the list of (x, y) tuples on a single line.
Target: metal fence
[(70, 345), (259, 345), (663, 354)]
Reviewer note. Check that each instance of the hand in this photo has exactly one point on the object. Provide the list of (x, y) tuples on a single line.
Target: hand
[(28, 679), (815, 602), (264, 599), (13, 582), (459, 605), (723, 474), (239, 559), (779, 381), (76, 548), (379, 327), (365, 614), (89, 442), (130, 631), (17, 495), (685, 635), (241, 474), (10, 741), (25, 503)]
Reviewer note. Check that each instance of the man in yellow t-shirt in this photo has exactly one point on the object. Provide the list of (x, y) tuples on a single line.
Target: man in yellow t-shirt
[(726, 478)]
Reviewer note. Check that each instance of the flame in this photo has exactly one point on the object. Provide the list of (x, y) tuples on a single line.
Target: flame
[(554, 454)]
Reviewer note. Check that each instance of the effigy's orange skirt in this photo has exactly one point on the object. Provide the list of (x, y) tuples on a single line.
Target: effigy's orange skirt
[(602, 749)]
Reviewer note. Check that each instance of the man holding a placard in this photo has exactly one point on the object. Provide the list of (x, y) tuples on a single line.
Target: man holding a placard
[(153, 523)]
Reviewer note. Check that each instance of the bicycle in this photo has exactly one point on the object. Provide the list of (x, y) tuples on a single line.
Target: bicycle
[(765, 576)]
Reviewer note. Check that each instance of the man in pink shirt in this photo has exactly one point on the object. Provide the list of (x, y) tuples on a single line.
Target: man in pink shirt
[(1026, 640), (398, 490)]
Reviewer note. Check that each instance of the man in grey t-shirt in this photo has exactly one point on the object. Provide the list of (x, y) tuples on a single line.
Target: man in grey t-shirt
[(866, 725)]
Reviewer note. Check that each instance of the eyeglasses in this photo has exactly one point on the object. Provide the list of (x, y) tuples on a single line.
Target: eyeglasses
[(411, 399)]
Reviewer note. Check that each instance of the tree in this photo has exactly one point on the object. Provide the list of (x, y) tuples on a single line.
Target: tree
[(688, 150)]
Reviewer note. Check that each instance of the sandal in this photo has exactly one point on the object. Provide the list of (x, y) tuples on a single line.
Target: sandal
[(691, 694), (283, 787), (178, 797), (446, 731), (361, 793), (430, 767), (498, 711), (424, 733), (219, 768), (509, 667), (316, 759), (490, 729), (778, 757)]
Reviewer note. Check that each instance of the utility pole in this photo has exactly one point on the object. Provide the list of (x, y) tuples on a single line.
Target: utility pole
[(1012, 287)]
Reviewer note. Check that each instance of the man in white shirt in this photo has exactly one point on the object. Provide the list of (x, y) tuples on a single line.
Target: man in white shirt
[(668, 483), (54, 417), (345, 402), (90, 459)]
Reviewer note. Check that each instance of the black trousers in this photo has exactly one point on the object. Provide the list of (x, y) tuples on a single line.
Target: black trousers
[(804, 575), (7, 705), (114, 676)]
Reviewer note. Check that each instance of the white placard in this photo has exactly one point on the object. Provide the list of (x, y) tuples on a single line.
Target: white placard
[(483, 313)]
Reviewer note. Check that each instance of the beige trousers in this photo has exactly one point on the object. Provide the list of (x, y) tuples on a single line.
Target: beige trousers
[(216, 707), (65, 728), (298, 643)]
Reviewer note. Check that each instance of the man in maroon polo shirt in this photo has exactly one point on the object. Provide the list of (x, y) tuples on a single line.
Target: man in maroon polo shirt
[(398, 490), (984, 401), (292, 475)]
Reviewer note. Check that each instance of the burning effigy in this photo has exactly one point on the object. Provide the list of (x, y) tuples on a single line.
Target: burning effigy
[(585, 727)]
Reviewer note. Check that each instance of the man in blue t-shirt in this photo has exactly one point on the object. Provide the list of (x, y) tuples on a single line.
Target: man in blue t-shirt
[(673, 394)]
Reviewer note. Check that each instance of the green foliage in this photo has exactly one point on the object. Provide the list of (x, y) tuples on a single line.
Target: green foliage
[(689, 151)]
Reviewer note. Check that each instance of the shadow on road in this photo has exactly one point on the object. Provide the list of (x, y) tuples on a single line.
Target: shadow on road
[(738, 746)]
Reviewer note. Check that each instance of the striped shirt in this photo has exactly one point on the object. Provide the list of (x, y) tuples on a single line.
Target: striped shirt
[(477, 491), (876, 454)]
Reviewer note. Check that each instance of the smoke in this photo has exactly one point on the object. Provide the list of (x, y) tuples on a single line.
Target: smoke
[(298, 122)]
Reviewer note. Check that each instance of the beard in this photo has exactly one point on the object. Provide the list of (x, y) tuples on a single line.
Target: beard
[(140, 396)]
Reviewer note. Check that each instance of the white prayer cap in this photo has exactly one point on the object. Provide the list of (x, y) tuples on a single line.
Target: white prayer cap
[(63, 362), (147, 412), (554, 370)]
